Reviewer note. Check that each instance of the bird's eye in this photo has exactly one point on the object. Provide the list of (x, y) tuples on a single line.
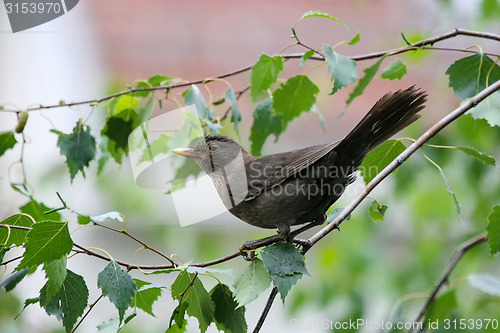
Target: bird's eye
[(212, 147)]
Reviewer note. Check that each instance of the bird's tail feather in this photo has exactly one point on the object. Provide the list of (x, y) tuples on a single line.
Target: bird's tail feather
[(392, 113)]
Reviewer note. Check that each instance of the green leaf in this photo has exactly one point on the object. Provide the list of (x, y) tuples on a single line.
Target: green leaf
[(379, 158), (251, 283), (285, 264), (82, 219), (37, 211), (177, 322), (219, 101), (12, 281), (147, 294), (7, 141), (283, 259), (284, 283), (396, 70), (69, 303), (317, 13), (343, 69), (117, 285), (365, 80), (469, 75), (157, 147), (30, 301), (442, 307), (79, 148), (494, 230), (449, 189), (487, 283), (160, 80), (376, 211), (480, 156), (126, 102), (297, 95), (265, 123), (488, 109), (56, 272), (17, 236), (117, 130), (142, 84), (47, 241), (264, 73), (306, 56), (188, 288), (228, 316), (355, 40), (207, 115), (236, 117)]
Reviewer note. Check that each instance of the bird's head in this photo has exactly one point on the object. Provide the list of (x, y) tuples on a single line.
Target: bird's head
[(213, 153)]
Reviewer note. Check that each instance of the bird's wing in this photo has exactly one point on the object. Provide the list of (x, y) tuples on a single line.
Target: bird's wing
[(265, 172)]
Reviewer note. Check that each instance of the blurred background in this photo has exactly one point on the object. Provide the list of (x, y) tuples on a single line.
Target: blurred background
[(371, 271)]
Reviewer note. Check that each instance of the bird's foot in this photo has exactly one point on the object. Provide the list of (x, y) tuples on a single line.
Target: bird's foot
[(249, 255), (255, 244), (302, 244)]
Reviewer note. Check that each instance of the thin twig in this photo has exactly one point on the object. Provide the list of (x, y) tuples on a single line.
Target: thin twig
[(87, 313), (11, 260), (127, 265), (444, 278), (458, 50), (265, 312), (220, 260), (130, 266), (368, 56), (161, 254)]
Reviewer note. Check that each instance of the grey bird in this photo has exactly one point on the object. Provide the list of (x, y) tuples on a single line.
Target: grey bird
[(297, 187)]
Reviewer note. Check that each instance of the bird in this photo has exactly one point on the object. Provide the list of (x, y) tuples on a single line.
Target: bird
[(297, 187)]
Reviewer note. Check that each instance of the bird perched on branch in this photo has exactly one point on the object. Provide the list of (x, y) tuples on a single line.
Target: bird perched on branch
[(297, 187)]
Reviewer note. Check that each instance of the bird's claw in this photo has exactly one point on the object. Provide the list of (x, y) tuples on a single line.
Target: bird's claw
[(249, 256)]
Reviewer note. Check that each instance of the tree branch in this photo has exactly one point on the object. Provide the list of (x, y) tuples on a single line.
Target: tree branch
[(459, 253), (87, 313), (265, 312), (436, 128), (220, 260), (119, 262)]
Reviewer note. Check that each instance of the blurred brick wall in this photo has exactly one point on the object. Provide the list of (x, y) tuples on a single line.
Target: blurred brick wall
[(199, 39)]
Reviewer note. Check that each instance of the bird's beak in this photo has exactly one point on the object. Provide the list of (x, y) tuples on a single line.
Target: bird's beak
[(186, 152)]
